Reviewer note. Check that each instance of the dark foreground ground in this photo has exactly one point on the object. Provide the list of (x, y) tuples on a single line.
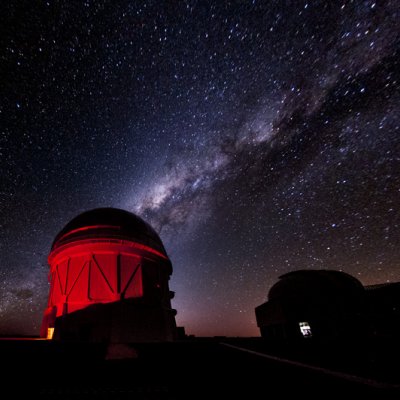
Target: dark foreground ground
[(195, 369)]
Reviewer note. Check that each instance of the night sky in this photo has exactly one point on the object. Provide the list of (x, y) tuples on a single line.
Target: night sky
[(256, 137)]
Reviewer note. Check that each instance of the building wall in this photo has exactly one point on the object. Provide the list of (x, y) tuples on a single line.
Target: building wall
[(87, 274)]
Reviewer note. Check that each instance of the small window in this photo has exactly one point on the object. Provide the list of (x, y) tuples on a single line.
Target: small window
[(305, 329)]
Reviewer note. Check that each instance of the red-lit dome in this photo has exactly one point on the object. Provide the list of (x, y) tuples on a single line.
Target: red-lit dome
[(109, 223), (109, 276)]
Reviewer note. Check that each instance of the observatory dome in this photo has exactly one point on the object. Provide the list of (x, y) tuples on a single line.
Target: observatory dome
[(316, 283), (109, 275), (109, 223)]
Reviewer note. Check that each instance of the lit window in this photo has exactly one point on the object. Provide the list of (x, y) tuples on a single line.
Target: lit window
[(50, 333), (305, 329)]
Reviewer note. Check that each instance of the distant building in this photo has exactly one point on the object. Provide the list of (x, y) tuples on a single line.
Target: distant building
[(383, 305), (312, 304), (109, 276)]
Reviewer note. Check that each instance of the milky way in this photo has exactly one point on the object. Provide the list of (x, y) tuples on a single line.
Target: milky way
[(256, 137)]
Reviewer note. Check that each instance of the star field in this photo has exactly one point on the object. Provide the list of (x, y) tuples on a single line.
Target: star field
[(256, 137)]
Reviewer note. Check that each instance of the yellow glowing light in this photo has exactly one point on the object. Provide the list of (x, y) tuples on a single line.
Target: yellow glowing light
[(50, 333)]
